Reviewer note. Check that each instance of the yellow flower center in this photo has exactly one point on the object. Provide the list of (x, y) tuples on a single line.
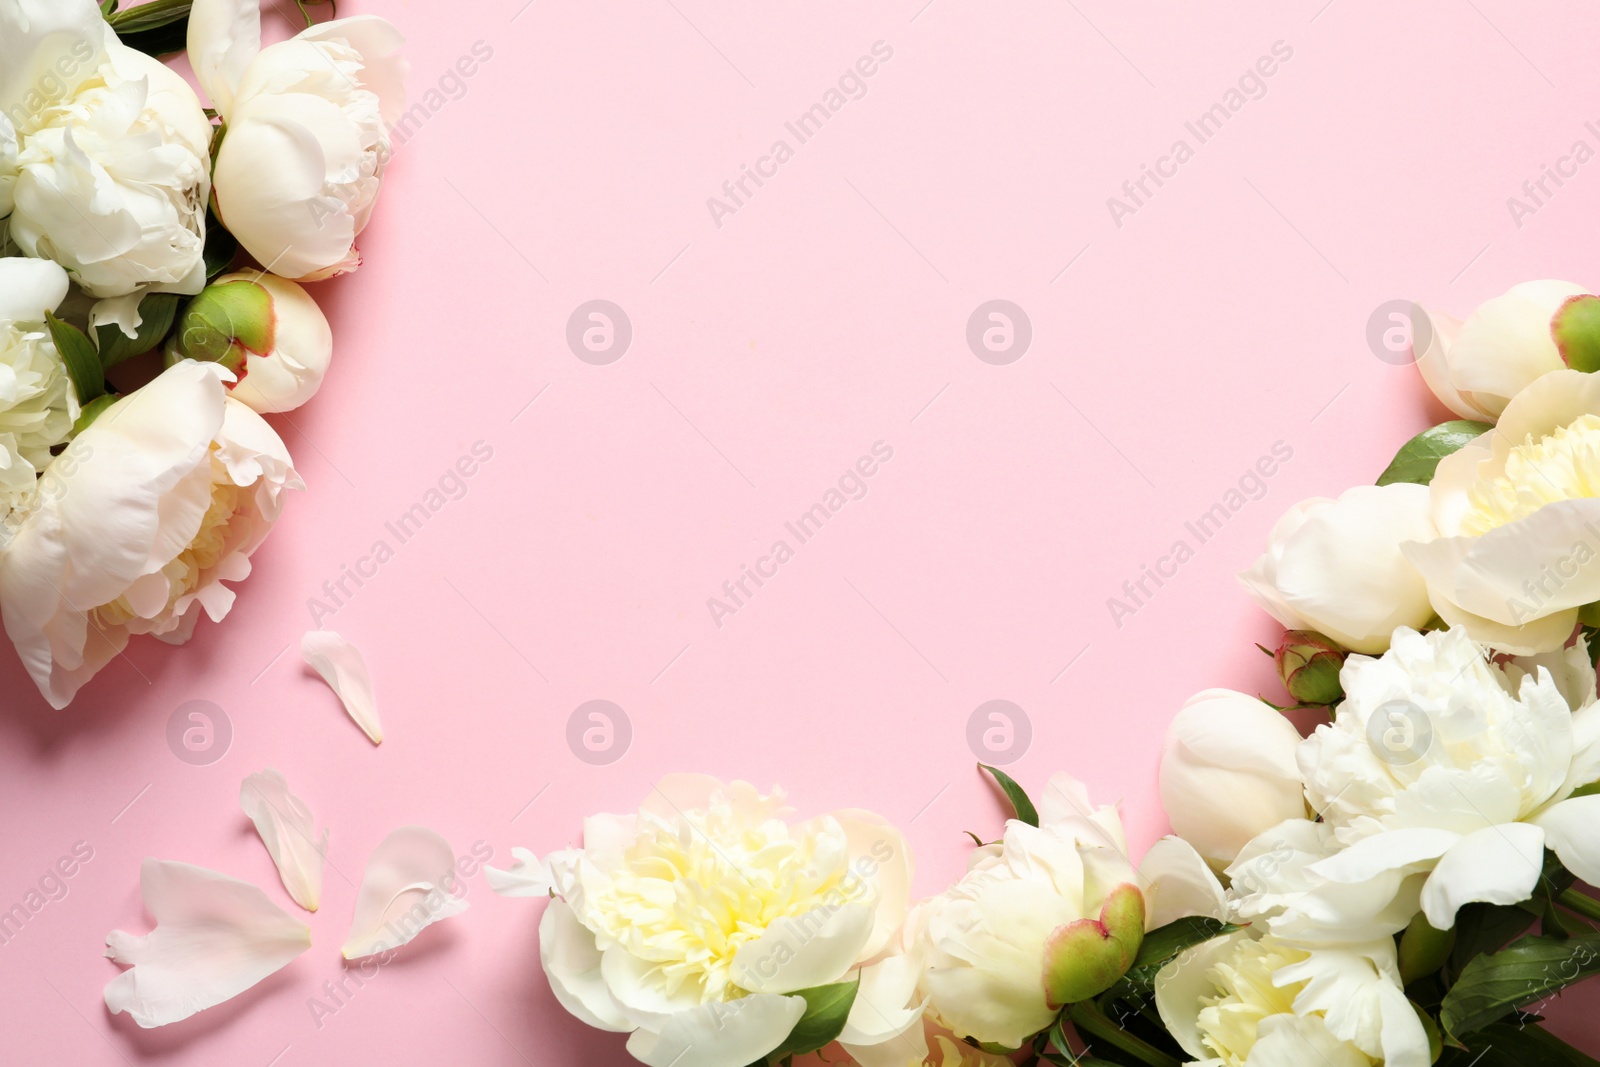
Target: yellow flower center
[(688, 894), (184, 571), (1245, 996), (1564, 465)]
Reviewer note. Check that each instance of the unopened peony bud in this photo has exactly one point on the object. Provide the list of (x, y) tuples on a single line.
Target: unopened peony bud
[(1576, 329), (265, 329), (1083, 959), (1309, 665)]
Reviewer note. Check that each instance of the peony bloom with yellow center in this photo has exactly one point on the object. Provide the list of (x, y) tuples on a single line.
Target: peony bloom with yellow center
[(137, 525), (1518, 516), (1247, 1000), (694, 923)]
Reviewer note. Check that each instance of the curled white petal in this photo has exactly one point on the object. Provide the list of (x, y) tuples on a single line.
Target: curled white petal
[(215, 937), (527, 877), (341, 665), (409, 885), (286, 827)]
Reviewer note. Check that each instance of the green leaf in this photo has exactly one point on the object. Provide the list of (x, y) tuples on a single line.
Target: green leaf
[(1483, 928), (827, 1008), (108, 8), (1419, 457), (156, 312), (83, 362), (221, 247), (91, 411), (1527, 971), (1161, 946), (1517, 1044), (1018, 797)]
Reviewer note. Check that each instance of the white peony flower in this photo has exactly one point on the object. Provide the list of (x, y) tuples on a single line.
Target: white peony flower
[(1228, 772), (985, 942), (308, 122), (38, 405), (693, 923), (1517, 551), (1247, 1000), (112, 172), (1475, 367), (1441, 781), (152, 508), (1336, 566)]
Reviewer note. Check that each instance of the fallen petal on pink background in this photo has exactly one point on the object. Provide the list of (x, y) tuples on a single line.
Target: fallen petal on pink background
[(215, 937), (345, 670), (409, 885), (287, 828)]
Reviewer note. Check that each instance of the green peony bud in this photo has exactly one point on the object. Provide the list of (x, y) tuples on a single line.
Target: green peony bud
[(225, 324), (1423, 949), (1309, 665), (1085, 958), (1576, 329)]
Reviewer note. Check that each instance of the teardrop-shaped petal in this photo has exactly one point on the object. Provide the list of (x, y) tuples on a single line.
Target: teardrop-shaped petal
[(342, 667), (286, 827), (215, 937), (409, 885), (527, 877)]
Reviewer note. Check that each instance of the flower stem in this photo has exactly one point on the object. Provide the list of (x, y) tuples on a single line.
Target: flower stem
[(1551, 1041), (1581, 903), (1090, 1021)]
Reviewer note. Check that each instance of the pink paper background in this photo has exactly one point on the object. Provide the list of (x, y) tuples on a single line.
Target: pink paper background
[(828, 313)]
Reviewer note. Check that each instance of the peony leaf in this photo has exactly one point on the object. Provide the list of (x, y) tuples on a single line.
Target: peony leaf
[(1018, 797), (77, 352), (1162, 945), (1516, 1044), (221, 247), (156, 312), (1526, 972), (1419, 457), (827, 1009), (151, 16)]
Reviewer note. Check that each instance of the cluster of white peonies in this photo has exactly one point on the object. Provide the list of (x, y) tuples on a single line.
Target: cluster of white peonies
[(1441, 781), (1502, 534), (717, 933), (121, 206)]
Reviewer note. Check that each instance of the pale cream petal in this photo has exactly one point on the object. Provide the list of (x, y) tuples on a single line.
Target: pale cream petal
[(410, 884), (215, 937), (527, 877), (287, 829), (342, 667)]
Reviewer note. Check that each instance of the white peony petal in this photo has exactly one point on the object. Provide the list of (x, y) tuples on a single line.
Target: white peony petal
[(29, 288), (886, 1006), (1569, 829), (409, 885), (286, 828), (1411, 848), (795, 952), (879, 853), (1178, 883), (720, 1034), (342, 667), (224, 36), (1495, 865), (215, 937), (527, 877), (1293, 1041), (572, 964), (1181, 984)]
